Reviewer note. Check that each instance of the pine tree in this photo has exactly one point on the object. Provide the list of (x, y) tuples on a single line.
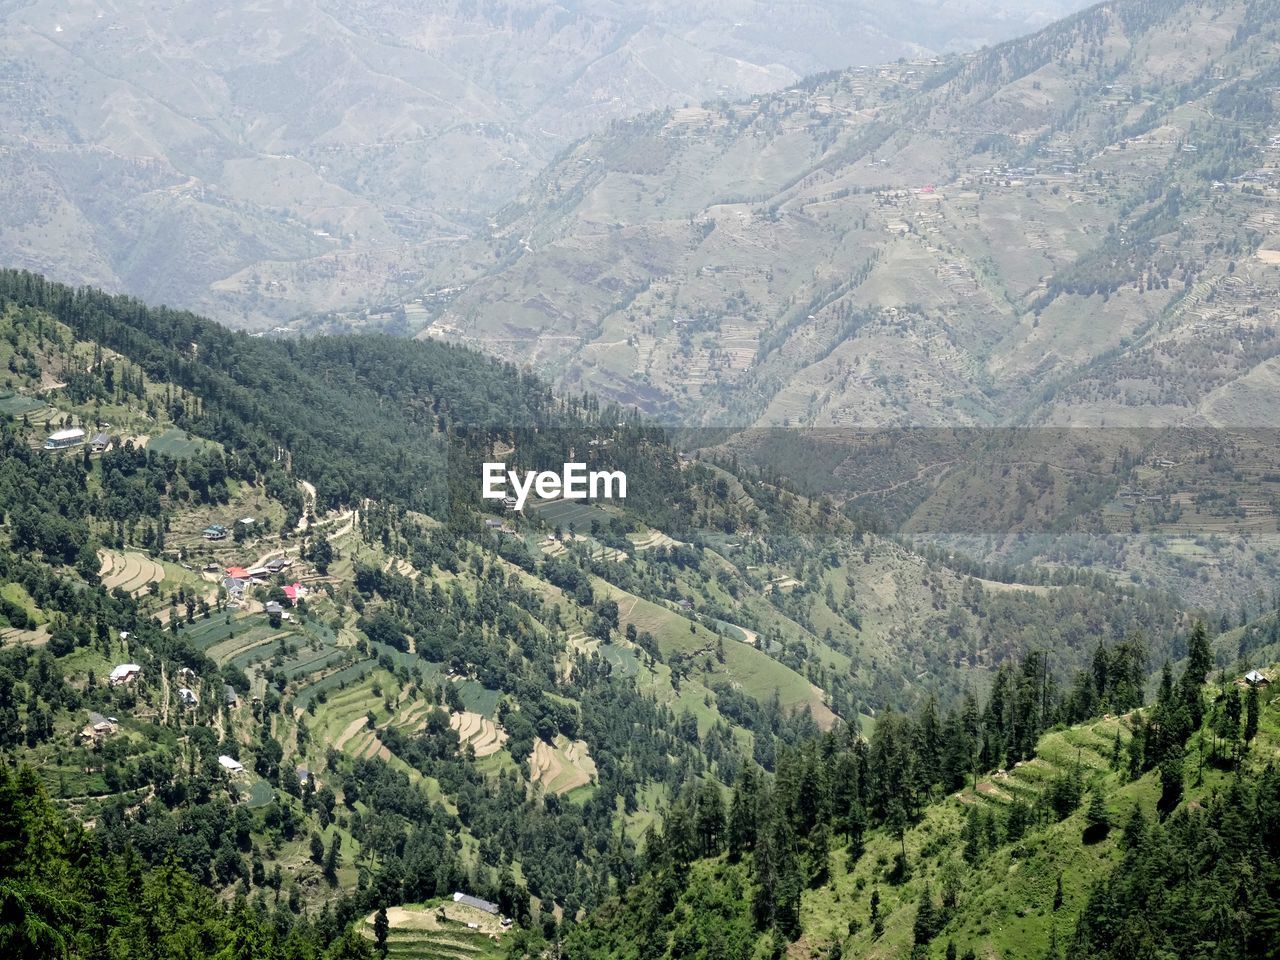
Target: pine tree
[(1251, 714), (1097, 822), (709, 825), (332, 859), (926, 925), (743, 811), (381, 927), (1199, 654)]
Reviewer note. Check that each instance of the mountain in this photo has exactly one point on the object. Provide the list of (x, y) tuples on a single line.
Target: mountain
[(1074, 228), (265, 161), (1070, 237), (260, 635)]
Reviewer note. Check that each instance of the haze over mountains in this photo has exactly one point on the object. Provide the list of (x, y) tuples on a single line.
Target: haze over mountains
[(1076, 228), (257, 161)]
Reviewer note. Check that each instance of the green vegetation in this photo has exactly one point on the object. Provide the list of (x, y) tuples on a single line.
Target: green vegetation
[(895, 847)]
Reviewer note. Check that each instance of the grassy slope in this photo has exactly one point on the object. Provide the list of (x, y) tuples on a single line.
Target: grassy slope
[(1005, 907)]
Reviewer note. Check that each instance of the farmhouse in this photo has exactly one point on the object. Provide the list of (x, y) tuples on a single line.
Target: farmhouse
[(469, 901), (64, 439), (124, 673), (1256, 678), (295, 592), (229, 695), (273, 609), (230, 764), (234, 586), (215, 531), (188, 696), (100, 442), (240, 573), (278, 564), (97, 727)]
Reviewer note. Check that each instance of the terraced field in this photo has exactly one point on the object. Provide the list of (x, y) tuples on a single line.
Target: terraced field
[(482, 733), (417, 932), (347, 675), (258, 638), (569, 513), (564, 767), (1086, 749), (132, 572), (652, 540), (15, 405), (308, 661), (205, 633)]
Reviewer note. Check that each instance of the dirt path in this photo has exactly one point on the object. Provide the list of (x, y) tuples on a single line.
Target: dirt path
[(927, 468), (350, 524), (308, 505), (164, 696)]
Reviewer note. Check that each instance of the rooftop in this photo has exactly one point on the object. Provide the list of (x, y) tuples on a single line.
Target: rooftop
[(467, 900)]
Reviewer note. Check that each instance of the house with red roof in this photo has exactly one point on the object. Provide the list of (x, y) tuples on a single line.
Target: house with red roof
[(295, 592), (240, 573)]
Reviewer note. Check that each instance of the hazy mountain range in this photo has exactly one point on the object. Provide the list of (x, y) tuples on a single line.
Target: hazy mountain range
[(1079, 228), (260, 160)]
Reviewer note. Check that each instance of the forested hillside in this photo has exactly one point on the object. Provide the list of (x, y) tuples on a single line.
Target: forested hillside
[(1140, 833), (262, 639)]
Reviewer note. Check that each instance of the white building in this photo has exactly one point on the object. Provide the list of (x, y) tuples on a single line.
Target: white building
[(230, 764), (64, 439), (124, 673)]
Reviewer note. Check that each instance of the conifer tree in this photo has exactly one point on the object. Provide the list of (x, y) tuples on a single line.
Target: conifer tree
[(381, 927)]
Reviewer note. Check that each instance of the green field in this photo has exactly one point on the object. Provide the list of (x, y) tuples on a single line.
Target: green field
[(570, 513), (178, 443), (15, 406), (347, 675), (757, 674), (623, 661), (203, 634), (255, 638), (479, 698)]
